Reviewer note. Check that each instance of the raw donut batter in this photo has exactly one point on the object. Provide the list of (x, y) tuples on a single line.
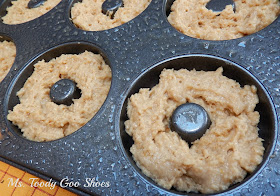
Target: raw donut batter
[(224, 155), (7, 57), (87, 15), (192, 18), (20, 13), (39, 118)]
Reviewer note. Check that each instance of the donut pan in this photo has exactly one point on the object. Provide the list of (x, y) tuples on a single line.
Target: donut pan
[(136, 52)]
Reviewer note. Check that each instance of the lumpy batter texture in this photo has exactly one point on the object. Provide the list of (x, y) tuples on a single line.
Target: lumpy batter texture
[(20, 13), (192, 18), (87, 15), (228, 150), (39, 118), (7, 57)]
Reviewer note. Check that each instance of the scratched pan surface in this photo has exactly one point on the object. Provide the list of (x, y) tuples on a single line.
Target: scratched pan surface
[(136, 52)]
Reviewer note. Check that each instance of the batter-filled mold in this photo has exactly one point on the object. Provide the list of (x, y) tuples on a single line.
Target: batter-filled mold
[(174, 164), (90, 16), (42, 116), (193, 18), (21, 11), (7, 55)]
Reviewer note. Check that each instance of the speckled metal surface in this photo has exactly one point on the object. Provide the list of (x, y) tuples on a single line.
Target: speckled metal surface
[(95, 150)]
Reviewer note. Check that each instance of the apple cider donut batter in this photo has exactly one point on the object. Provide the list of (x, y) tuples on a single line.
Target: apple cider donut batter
[(87, 15), (224, 155), (191, 17), (7, 57), (39, 118), (20, 13)]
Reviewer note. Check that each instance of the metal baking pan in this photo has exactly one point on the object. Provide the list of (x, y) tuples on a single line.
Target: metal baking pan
[(136, 52)]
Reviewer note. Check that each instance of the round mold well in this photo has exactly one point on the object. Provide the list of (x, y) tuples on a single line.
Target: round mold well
[(167, 10), (11, 99), (149, 78), (105, 29), (8, 3)]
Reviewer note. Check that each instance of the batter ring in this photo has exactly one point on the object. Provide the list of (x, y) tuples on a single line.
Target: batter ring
[(88, 16), (224, 155), (39, 118), (19, 12), (192, 18), (7, 57)]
